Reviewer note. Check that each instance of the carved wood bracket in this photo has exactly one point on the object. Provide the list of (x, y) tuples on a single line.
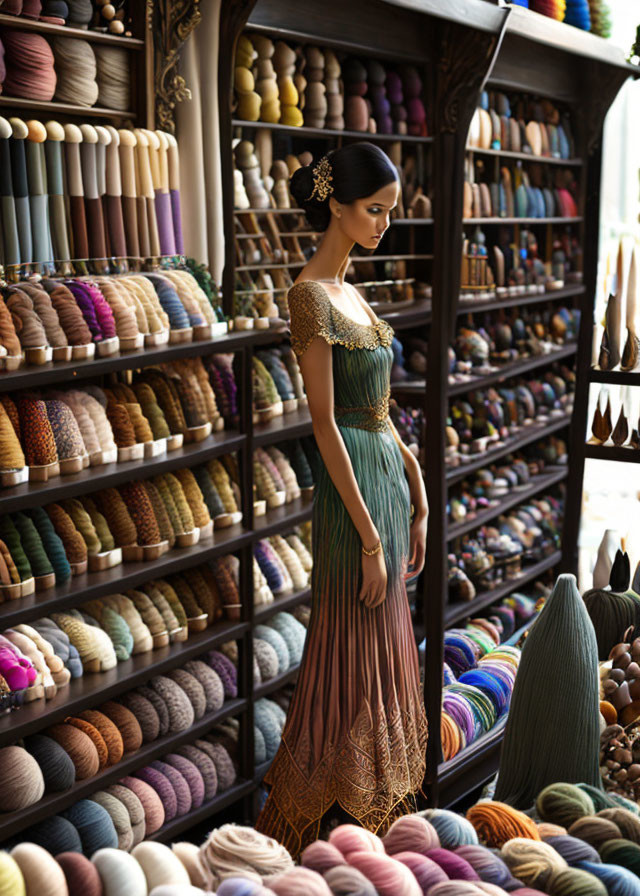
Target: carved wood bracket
[(171, 22)]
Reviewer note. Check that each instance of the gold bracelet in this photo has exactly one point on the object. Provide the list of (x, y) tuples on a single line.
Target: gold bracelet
[(371, 552)]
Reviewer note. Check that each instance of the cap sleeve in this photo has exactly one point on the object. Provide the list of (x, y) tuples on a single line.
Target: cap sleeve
[(309, 315)]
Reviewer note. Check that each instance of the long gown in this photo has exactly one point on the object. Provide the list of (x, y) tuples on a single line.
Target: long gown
[(356, 731)]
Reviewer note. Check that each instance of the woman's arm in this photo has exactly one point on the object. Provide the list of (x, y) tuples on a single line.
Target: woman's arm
[(418, 492), (316, 366)]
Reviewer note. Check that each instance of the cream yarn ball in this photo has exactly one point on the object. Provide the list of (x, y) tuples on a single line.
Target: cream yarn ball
[(160, 865), (42, 874), (189, 855), (177, 890), (119, 873)]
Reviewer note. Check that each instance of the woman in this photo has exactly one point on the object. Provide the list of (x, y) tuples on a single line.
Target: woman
[(356, 731)]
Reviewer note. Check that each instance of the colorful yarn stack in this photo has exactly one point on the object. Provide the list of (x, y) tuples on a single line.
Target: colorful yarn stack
[(554, 9), (578, 14), (600, 18)]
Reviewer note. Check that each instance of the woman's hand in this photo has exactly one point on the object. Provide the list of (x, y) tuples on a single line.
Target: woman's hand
[(417, 545), (374, 580), (417, 489)]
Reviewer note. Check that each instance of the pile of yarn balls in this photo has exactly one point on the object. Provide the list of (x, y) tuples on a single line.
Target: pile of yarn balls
[(578, 841)]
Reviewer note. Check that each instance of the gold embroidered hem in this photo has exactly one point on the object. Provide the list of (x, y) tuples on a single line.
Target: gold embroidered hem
[(372, 791)]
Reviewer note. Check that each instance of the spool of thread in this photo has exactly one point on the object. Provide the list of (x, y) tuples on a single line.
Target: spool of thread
[(22, 783), (160, 865), (81, 875), (120, 873), (42, 874), (11, 879), (58, 770)]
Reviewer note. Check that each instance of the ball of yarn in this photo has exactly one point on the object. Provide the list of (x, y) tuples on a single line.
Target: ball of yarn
[(410, 833), (81, 875), (159, 864), (389, 877), (563, 804), (622, 852), (628, 823), (618, 881), (427, 872), (176, 890), (191, 775), (42, 874), (210, 681), (226, 671), (120, 873), (162, 787), (56, 765), (134, 807), (495, 823), (595, 830), (452, 829), (145, 713), (320, 856), (189, 855), (348, 838), (299, 880), (30, 70), (80, 748), (180, 786), (151, 803), (205, 765), (119, 816), (94, 825), (455, 867), (108, 731), (233, 849), (11, 879), (573, 850), (225, 768), (192, 688), (181, 712), (126, 723), (455, 888), (489, 867), (531, 862), (158, 704), (92, 732), (55, 834), (344, 880), (21, 781), (546, 830), (575, 882), (239, 886)]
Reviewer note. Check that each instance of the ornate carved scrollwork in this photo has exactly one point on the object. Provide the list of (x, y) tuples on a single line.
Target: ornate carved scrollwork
[(464, 56), (171, 22)]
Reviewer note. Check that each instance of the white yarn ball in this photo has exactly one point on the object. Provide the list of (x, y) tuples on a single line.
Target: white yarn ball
[(159, 864), (177, 890), (120, 873)]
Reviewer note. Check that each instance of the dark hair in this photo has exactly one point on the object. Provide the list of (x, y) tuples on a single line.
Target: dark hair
[(357, 171)]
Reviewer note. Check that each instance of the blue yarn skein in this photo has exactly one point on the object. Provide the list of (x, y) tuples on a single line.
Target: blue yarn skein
[(618, 880), (170, 302)]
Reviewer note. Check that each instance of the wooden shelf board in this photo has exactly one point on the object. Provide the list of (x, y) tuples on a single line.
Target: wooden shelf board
[(525, 436), (328, 133), (556, 295), (171, 829), (286, 426), (408, 222), (281, 603), (279, 519), (87, 112), (92, 690), (274, 684), (73, 371), (13, 822), (92, 585), (537, 484), (407, 314), (455, 613), (624, 455), (615, 377), (36, 494), (514, 368), (22, 23), (494, 221), (524, 156)]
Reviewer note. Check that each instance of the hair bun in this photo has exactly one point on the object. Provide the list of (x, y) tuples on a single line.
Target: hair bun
[(301, 187)]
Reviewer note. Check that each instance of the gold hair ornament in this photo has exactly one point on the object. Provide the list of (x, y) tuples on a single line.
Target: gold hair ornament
[(322, 178)]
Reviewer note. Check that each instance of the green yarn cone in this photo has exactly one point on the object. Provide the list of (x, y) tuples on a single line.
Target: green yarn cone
[(552, 732), (32, 545), (11, 537), (52, 544)]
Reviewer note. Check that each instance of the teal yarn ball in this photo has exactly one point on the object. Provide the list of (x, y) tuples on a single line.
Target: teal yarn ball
[(264, 718), (275, 639), (57, 768), (94, 826), (600, 799), (453, 830), (293, 632)]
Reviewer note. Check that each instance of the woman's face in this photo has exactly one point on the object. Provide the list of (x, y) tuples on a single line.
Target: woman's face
[(365, 220)]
